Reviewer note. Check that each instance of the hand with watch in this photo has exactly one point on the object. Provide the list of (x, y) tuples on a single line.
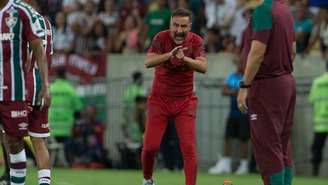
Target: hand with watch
[(243, 85), (242, 96)]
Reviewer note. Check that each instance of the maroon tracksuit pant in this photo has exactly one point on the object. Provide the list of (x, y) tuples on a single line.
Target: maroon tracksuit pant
[(271, 110), (183, 110)]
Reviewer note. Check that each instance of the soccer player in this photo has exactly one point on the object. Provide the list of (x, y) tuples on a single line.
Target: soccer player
[(19, 28), (237, 127), (175, 54), (269, 88), (38, 126)]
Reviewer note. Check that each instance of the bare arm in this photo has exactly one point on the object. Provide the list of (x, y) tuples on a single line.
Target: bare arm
[(254, 60), (226, 91), (41, 60), (153, 59), (199, 64)]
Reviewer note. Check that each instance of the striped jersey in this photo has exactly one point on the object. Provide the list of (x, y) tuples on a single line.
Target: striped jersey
[(33, 80), (18, 27)]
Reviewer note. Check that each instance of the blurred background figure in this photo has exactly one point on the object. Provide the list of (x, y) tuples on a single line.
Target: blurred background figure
[(63, 34), (85, 149), (133, 90), (319, 98), (127, 41), (303, 26), (130, 147), (237, 127), (65, 108), (156, 20)]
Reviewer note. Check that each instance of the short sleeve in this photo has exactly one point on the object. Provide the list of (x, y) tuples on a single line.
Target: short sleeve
[(228, 79), (31, 26), (262, 23), (50, 34), (156, 45), (199, 48)]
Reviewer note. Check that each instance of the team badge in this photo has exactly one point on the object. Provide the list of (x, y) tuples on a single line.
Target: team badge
[(11, 20)]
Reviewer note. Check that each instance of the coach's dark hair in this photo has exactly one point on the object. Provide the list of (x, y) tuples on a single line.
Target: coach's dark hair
[(182, 12)]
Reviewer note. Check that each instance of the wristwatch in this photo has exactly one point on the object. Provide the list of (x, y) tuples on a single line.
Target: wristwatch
[(243, 85)]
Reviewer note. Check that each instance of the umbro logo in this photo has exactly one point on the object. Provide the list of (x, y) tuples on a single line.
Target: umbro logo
[(22, 126), (253, 116)]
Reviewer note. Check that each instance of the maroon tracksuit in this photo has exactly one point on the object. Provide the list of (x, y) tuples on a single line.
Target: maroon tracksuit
[(172, 96), (271, 98)]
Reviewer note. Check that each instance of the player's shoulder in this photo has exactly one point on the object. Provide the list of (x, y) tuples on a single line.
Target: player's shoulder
[(195, 38), (26, 9), (262, 16)]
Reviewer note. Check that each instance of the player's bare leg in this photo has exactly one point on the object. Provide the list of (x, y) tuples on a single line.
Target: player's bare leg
[(42, 159)]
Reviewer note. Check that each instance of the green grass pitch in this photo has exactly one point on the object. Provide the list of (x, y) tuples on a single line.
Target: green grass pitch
[(123, 177)]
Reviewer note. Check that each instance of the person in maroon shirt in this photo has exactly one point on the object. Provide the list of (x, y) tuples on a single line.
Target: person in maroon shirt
[(175, 54), (269, 53)]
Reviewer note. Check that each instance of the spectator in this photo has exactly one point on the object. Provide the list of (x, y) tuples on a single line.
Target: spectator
[(303, 27), (319, 98), (63, 42), (64, 109), (86, 147), (129, 7), (156, 21), (219, 14), (127, 41), (239, 21), (88, 17), (320, 32), (73, 10), (97, 41), (109, 17)]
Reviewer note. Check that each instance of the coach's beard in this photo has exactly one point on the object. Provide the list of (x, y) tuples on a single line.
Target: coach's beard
[(179, 38)]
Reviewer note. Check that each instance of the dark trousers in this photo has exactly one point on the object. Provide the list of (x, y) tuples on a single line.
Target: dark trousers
[(271, 110), (317, 147), (170, 148)]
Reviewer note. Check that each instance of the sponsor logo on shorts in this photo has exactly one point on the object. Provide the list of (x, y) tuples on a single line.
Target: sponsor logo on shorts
[(46, 125), (22, 126), (253, 116), (19, 114)]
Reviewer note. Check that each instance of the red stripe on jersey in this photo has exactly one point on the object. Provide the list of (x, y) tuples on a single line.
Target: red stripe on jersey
[(6, 46)]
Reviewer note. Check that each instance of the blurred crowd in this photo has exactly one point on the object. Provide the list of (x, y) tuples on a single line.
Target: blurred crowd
[(128, 26)]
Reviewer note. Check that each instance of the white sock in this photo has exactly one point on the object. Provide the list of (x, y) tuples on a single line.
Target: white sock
[(18, 168), (44, 176)]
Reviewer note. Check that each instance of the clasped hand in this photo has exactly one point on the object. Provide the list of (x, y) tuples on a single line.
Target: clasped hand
[(178, 52)]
